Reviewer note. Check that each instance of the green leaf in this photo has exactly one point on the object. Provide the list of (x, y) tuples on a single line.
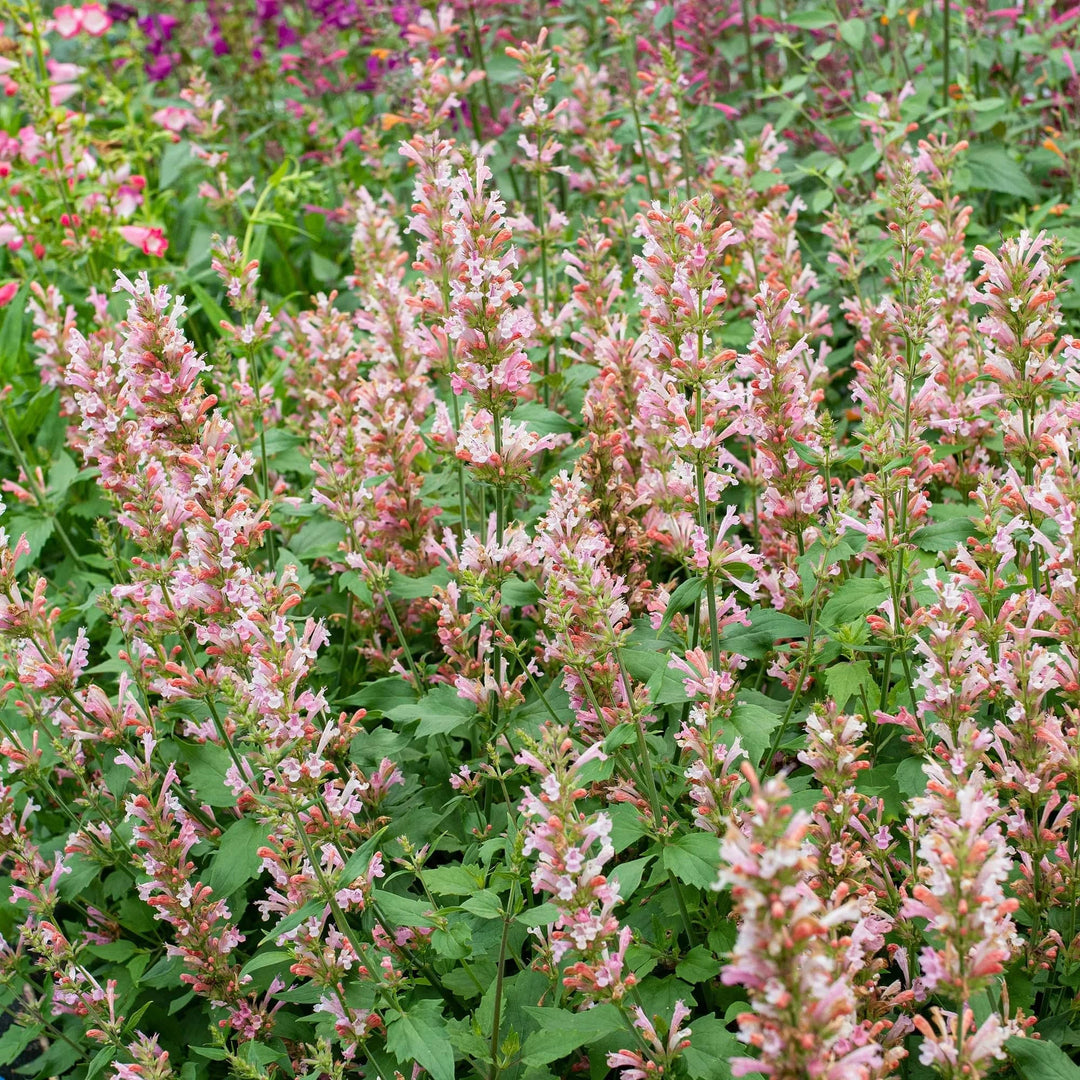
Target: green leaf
[(37, 531), (853, 601), (811, 20), (420, 1036), (214, 1053), (11, 333), (102, 1058), (544, 915), (619, 736), (15, 1040), (711, 1049), (207, 765), (407, 588), (62, 474), (1036, 1059), (517, 593), (853, 31), (454, 880), (910, 777), (382, 695), (265, 960), (542, 421), (561, 1032), (485, 905), (685, 595), (943, 535), (694, 859), (291, 922), (754, 724), (698, 966), (992, 169), (214, 311), (440, 712), (844, 681), (237, 860), (767, 628), (628, 875), (319, 538), (664, 17)]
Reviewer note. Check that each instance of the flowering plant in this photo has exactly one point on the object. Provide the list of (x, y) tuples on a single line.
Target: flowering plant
[(539, 540)]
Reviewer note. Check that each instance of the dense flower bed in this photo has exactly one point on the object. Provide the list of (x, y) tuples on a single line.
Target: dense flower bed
[(539, 540)]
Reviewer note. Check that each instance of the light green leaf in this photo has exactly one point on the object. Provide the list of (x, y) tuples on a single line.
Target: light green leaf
[(845, 681), (1037, 1059)]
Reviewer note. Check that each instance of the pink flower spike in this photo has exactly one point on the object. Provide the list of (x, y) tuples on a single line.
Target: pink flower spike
[(7, 292), (151, 241)]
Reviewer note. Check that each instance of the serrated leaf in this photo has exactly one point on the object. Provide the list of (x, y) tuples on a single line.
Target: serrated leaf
[(712, 1046), (992, 169), (817, 19), (440, 711), (943, 535), (15, 1040), (454, 880), (37, 531), (694, 859), (1037, 1059), (407, 588), (207, 765), (517, 593), (318, 538), (853, 601), (664, 17), (102, 1058), (214, 311), (754, 725), (62, 474), (767, 628), (618, 736), (311, 909), (541, 420), (845, 681), (485, 905), (419, 1036), (698, 966), (910, 777), (561, 1032), (237, 860)]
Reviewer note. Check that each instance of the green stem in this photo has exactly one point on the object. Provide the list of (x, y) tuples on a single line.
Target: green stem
[(39, 496)]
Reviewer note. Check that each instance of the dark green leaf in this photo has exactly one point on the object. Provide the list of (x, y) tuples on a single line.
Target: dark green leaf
[(420, 1036), (767, 628), (685, 595), (853, 601), (561, 1032), (698, 966), (694, 859), (237, 860)]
